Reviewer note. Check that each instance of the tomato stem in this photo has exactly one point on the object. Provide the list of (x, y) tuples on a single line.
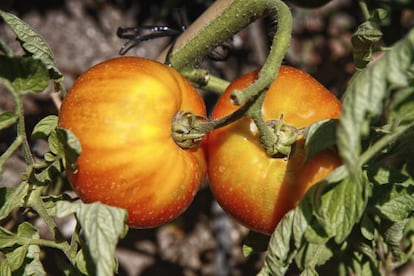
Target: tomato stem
[(277, 52), (222, 20), (203, 79), (218, 24)]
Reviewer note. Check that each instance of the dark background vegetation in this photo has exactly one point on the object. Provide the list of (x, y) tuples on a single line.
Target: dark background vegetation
[(203, 241)]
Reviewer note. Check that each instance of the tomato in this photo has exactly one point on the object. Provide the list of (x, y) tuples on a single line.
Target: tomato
[(258, 190), (121, 111), (309, 3)]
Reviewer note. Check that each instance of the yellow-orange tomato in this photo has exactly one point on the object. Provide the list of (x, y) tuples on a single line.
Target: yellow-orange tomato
[(255, 189), (121, 111)]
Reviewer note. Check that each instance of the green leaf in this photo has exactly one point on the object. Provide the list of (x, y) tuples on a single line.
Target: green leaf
[(285, 242), (33, 43), (81, 263), (309, 271), (362, 265), (363, 43), (5, 268), (11, 198), (71, 147), (254, 243), (24, 257), (379, 174), (312, 255), (7, 119), (340, 206), (392, 201), (367, 228), (7, 238), (49, 174), (5, 49), (103, 226), (319, 136), (401, 108), (394, 235), (16, 257), (23, 74), (45, 127), (55, 144), (34, 265), (365, 95)]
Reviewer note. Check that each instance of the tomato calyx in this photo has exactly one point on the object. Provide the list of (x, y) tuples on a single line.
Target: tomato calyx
[(186, 129), (284, 138)]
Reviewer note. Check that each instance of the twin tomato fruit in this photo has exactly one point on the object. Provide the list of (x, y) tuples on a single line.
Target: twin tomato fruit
[(121, 111)]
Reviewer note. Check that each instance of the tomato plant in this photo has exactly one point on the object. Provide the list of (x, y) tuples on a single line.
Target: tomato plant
[(133, 125), (121, 111), (253, 187)]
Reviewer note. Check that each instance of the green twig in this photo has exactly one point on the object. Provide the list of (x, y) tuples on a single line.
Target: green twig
[(364, 9), (21, 130), (277, 52), (203, 79), (10, 150), (218, 24), (222, 20)]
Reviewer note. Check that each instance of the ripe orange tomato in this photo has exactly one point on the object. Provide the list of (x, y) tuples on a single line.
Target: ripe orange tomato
[(121, 111), (258, 190)]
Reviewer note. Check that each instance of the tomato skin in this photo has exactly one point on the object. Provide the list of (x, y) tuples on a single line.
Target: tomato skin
[(255, 189), (121, 111)]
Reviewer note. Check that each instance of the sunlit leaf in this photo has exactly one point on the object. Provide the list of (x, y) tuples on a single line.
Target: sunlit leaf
[(71, 144), (365, 96), (33, 43), (312, 255), (393, 202), (103, 225), (7, 119), (340, 207), (44, 127), (320, 136), (11, 198), (284, 243), (23, 74)]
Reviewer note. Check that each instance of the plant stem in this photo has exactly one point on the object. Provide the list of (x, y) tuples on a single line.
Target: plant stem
[(21, 129), (364, 9), (203, 79), (219, 23), (10, 150), (222, 20), (383, 142), (268, 138), (277, 52), (63, 246), (36, 202)]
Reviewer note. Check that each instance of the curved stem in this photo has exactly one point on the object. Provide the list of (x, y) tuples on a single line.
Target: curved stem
[(268, 138), (277, 52), (219, 23)]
